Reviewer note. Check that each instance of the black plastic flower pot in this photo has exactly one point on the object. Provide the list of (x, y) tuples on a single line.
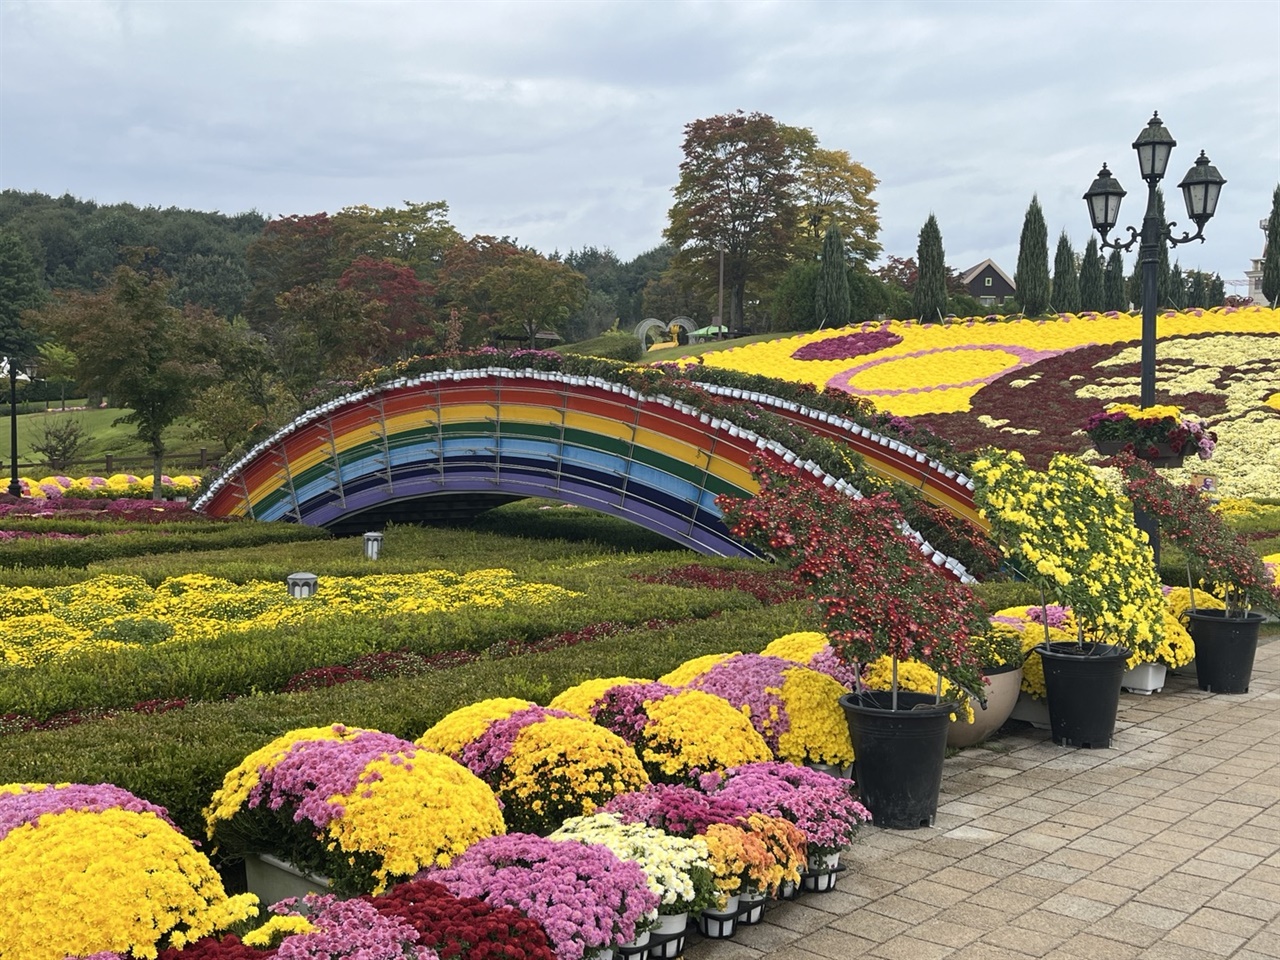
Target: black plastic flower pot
[(898, 755), (1225, 647), (1083, 685)]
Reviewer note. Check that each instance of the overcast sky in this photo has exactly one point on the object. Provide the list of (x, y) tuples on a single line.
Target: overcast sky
[(560, 123)]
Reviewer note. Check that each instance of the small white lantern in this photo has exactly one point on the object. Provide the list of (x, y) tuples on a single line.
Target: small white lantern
[(302, 585), (372, 546)]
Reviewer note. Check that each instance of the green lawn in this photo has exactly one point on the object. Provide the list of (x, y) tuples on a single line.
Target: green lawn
[(103, 436)]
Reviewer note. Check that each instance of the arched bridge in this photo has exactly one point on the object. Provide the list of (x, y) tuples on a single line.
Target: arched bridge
[(457, 442)]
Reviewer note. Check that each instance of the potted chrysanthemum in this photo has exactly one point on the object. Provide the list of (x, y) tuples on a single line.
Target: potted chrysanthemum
[(88, 869), (1071, 535), (548, 765), (348, 809), (677, 733), (1161, 435)]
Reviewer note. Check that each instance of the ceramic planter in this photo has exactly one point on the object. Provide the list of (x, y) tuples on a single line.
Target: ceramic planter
[(1003, 685)]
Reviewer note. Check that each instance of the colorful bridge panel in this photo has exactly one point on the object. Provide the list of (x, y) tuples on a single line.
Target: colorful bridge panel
[(522, 434)]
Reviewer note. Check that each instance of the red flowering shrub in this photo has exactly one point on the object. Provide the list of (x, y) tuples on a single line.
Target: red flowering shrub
[(464, 928), (1221, 559), (769, 587), (878, 594), (212, 948)]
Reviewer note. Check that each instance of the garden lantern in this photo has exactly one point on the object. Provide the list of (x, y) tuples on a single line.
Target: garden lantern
[(372, 545), (302, 585)]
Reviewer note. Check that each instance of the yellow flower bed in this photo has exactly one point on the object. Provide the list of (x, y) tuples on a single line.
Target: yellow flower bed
[(43, 626)]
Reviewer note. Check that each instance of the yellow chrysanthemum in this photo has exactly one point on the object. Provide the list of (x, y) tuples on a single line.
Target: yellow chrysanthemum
[(468, 724)]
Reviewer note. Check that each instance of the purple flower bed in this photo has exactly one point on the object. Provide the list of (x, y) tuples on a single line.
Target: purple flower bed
[(847, 347)]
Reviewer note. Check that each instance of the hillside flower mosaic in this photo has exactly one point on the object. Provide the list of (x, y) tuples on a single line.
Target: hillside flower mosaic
[(1031, 384)]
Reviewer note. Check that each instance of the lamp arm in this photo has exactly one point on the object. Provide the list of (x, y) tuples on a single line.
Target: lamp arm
[(1117, 245), (1186, 237)]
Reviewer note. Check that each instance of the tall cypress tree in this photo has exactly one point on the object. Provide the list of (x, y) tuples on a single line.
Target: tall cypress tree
[(1032, 275), (1196, 293), (1113, 283), (1271, 256), (1216, 293), (1093, 293), (1066, 284), (831, 299), (1177, 288), (929, 301), (1164, 275)]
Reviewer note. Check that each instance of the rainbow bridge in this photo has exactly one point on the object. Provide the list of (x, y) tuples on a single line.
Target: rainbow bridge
[(457, 442)]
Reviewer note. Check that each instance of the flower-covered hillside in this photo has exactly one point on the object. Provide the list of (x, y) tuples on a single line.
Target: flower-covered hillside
[(1031, 384)]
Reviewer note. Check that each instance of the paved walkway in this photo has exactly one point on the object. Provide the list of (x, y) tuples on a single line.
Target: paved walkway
[(1164, 847)]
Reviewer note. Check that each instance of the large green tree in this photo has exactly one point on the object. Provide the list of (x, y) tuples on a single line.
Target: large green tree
[(831, 301), (132, 344), (737, 193), (1066, 284), (1271, 255), (20, 290), (1093, 293), (835, 191), (1113, 282), (1032, 275), (929, 299), (535, 294)]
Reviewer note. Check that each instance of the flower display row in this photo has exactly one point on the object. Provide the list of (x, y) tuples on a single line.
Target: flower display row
[(367, 811), (1147, 430), (115, 612), (118, 485)]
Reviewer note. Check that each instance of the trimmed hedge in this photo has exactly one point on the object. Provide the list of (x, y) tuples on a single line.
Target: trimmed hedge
[(178, 759), (610, 345)]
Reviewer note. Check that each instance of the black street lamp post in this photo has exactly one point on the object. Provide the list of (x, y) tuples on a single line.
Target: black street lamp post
[(15, 488), (1200, 189)]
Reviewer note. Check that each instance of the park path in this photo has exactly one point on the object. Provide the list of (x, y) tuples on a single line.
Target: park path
[(1164, 847)]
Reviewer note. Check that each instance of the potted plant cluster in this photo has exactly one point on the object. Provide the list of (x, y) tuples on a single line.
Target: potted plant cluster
[(585, 897), (1161, 435), (823, 807), (879, 597), (1226, 639), (1071, 535), (678, 869)]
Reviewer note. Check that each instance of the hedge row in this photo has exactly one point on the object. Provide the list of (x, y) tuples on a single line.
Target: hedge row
[(178, 759)]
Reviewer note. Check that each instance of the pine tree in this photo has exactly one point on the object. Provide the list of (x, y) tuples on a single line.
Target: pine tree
[(1113, 283), (1066, 284), (1271, 254), (929, 300), (1032, 275), (1093, 293), (831, 300)]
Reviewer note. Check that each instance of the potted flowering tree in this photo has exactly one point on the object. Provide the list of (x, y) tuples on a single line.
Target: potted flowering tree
[(1071, 535), (1161, 435), (879, 596), (1226, 639)]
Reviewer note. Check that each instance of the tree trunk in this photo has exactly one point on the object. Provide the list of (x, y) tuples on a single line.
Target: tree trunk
[(157, 462)]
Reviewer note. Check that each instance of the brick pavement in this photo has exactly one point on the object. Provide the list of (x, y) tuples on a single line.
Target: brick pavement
[(1164, 847)]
